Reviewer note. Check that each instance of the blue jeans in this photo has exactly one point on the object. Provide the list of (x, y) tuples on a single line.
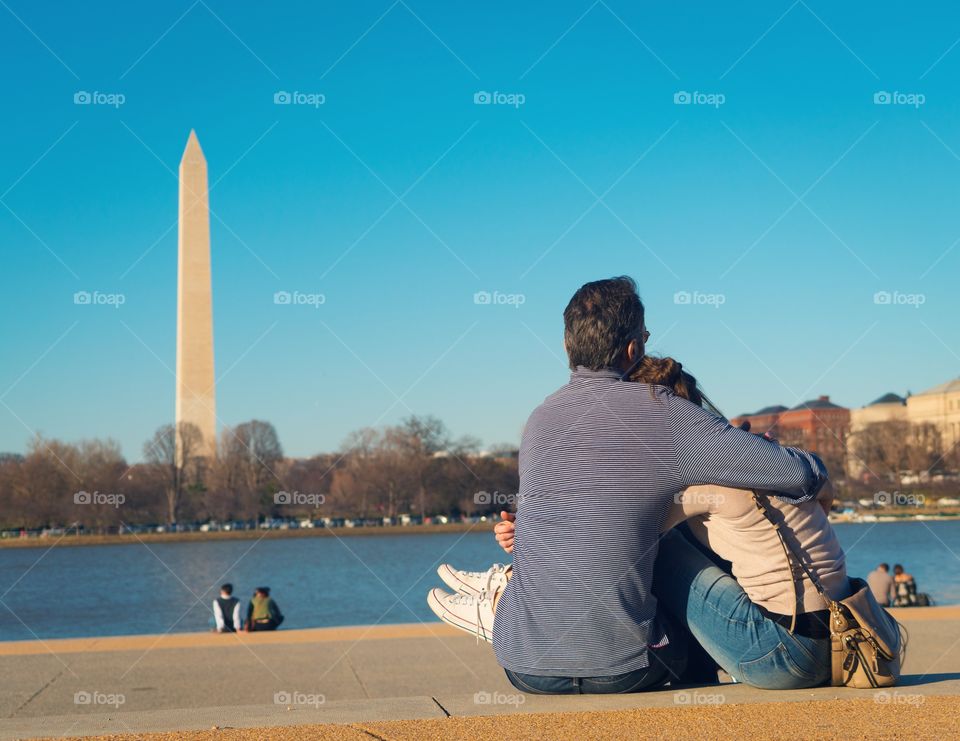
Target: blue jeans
[(753, 648), (665, 664)]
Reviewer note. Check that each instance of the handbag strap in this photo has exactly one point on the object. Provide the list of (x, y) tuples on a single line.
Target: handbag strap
[(763, 504)]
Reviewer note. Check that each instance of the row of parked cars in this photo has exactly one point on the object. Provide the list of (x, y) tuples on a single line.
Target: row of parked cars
[(239, 525)]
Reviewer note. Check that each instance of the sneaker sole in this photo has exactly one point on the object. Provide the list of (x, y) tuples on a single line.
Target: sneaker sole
[(433, 601)]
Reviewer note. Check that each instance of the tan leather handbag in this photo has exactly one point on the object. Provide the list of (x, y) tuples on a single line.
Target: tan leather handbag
[(867, 643)]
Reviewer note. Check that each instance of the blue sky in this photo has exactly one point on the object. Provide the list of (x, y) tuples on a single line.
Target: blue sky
[(780, 200)]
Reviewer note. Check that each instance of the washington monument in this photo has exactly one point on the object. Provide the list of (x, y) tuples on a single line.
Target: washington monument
[(195, 380)]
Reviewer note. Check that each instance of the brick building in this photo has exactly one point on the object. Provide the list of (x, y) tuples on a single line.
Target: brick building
[(819, 426)]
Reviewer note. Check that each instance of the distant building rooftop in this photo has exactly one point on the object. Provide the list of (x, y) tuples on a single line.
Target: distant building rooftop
[(890, 398), (775, 409), (944, 388), (822, 402)]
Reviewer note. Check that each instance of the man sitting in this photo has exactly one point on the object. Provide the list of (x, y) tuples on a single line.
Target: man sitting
[(601, 462), (226, 611)]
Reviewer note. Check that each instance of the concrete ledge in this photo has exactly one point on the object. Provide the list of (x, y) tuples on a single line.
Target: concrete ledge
[(428, 673), (225, 640)]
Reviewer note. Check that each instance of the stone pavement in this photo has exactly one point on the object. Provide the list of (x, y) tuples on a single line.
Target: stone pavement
[(184, 682)]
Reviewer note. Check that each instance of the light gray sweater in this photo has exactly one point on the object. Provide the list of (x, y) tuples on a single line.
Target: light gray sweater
[(728, 522)]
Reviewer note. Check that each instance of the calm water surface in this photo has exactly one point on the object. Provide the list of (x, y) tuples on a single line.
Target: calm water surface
[(319, 582)]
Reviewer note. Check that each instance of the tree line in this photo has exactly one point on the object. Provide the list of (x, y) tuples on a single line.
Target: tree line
[(889, 451), (415, 468)]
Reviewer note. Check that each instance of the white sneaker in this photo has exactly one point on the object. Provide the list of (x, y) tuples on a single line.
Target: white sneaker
[(474, 582), (471, 613)]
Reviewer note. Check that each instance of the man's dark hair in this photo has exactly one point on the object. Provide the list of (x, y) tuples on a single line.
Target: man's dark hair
[(600, 321), (227, 588), (265, 591), (885, 566)]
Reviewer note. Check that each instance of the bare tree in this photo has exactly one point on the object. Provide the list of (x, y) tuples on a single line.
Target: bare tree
[(48, 479), (376, 474), (100, 465), (175, 455), (882, 446), (897, 446), (924, 449), (420, 439), (250, 455)]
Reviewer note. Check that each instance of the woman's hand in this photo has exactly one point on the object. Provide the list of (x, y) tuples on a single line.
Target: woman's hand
[(503, 531)]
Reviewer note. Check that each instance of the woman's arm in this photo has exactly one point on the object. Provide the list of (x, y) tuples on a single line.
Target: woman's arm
[(695, 501)]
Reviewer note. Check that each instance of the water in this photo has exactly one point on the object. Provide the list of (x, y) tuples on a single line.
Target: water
[(318, 582)]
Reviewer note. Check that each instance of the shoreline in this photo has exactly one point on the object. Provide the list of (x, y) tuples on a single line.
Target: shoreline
[(322, 532), (197, 537)]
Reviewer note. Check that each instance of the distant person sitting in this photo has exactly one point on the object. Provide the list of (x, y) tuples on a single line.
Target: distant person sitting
[(226, 611), (263, 613), (906, 588), (882, 584)]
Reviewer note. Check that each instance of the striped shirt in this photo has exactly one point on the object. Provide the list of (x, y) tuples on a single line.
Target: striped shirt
[(601, 462)]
